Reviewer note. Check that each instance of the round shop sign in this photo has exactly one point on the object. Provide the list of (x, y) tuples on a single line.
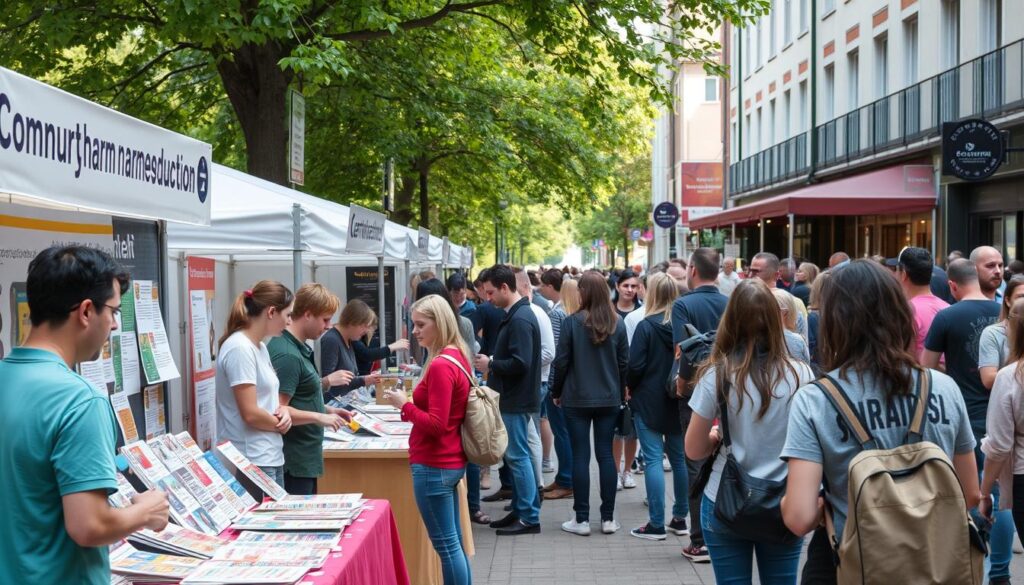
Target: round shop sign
[(972, 150), (666, 214)]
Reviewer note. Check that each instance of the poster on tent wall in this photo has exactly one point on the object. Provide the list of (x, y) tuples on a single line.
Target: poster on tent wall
[(361, 283), (154, 348), (24, 232), (203, 424)]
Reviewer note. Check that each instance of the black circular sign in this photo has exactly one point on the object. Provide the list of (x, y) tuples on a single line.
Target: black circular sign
[(972, 150), (202, 179), (666, 214)]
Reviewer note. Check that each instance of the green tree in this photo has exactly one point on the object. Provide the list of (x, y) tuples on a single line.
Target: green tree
[(628, 208)]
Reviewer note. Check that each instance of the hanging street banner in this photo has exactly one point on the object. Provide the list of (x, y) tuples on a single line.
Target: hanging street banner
[(701, 190), (424, 243), (60, 148), (365, 231), (297, 139)]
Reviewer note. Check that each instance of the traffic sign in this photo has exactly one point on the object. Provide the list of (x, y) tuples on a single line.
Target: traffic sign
[(635, 234)]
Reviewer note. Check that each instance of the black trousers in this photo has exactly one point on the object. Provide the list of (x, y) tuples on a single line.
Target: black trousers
[(820, 568), (299, 486), (692, 469)]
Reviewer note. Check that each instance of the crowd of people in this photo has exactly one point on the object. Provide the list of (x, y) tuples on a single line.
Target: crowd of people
[(582, 361)]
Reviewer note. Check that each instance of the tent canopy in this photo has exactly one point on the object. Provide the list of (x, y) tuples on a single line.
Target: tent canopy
[(250, 216), (898, 189)]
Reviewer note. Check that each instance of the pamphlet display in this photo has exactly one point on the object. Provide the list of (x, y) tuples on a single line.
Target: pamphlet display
[(255, 474)]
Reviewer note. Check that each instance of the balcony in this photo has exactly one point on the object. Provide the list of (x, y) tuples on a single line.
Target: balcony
[(988, 87)]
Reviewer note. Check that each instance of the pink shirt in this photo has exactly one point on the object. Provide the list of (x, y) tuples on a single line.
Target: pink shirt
[(925, 307)]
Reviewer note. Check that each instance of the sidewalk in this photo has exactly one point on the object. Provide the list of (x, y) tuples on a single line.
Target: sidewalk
[(554, 557)]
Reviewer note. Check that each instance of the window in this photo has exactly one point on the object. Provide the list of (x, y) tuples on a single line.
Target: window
[(910, 51), (827, 6), (711, 89), (950, 33), (881, 66), (829, 92), (990, 35), (787, 22), (748, 136), (852, 80), (787, 117), (804, 121), (758, 43), (747, 60), (733, 147), (758, 131), (773, 46), (805, 11), (771, 124), (734, 57)]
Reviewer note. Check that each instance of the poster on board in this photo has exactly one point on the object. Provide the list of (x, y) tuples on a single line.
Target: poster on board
[(154, 348), (361, 283), (204, 346)]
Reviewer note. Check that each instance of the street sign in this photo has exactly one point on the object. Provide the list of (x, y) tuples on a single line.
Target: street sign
[(297, 138), (635, 234), (972, 150), (666, 214)]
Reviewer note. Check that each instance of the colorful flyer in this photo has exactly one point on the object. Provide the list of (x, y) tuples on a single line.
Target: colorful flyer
[(153, 403), (157, 360), (125, 419)]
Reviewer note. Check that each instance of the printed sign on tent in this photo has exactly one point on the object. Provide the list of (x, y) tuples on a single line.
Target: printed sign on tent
[(365, 231), (201, 293), (424, 243), (446, 251), (55, 146)]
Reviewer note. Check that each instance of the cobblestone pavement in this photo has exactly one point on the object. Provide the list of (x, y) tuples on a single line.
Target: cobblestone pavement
[(554, 557)]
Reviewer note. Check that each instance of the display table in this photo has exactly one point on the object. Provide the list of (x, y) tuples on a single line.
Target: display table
[(386, 475), (370, 552)]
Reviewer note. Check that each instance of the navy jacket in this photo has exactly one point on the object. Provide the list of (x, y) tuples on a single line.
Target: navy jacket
[(589, 375), (702, 307), (650, 359), (515, 361), (486, 320)]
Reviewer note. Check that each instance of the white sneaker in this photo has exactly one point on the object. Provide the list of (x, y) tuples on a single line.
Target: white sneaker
[(581, 528), (627, 480), (665, 464), (618, 484), (610, 526)]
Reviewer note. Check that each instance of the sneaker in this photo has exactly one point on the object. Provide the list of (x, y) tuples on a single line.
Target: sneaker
[(627, 481), (638, 467), (610, 526), (546, 466), (618, 484), (648, 532), (697, 554), (581, 528), (665, 465), (678, 527)]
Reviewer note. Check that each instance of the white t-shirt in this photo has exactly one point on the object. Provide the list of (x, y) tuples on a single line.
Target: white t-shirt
[(241, 362), (631, 322), (547, 341)]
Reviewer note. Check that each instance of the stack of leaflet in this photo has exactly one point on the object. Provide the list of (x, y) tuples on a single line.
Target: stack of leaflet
[(381, 428), (185, 509), (329, 512), (145, 567), (227, 572), (384, 412), (175, 540)]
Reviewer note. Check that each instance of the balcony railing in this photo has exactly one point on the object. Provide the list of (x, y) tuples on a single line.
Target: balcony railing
[(987, 87)]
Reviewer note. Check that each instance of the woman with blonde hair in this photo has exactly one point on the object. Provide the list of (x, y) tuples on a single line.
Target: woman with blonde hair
[(655, 412), (570, 296), (249, 412), (437, 410), (790, 312), (805, 276), (337, 349)]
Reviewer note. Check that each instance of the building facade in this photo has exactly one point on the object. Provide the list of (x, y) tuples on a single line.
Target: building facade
[(834, 116)]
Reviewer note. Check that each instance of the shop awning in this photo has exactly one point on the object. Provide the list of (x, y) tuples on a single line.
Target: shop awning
[(900, 189)]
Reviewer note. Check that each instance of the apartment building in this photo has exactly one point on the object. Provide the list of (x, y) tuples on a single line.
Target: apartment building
[(687, 153), (834, 114)]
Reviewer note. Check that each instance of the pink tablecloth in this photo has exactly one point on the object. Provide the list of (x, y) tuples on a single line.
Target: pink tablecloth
[(371, 552)]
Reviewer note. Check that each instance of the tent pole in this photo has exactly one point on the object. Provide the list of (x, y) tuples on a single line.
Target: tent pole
[(760, 224), (185, 333), (296, 246), (733, 232), (935, 244), (792, 228), (382, 317)]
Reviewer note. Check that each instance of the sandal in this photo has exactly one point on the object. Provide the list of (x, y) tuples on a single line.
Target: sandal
[(480, 518)]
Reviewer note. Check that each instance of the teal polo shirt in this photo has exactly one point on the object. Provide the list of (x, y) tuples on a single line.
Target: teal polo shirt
[(296, 369), (57, 437)]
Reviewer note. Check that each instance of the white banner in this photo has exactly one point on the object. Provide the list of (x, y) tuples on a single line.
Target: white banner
[(297, 139), (424, 244), (365, 231), (58, 147)]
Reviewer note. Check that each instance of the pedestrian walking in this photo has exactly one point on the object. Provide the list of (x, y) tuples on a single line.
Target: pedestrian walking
[(588, 382), (552, 284)]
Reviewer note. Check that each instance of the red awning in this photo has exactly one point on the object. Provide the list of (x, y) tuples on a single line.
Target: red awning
[(899, 189)]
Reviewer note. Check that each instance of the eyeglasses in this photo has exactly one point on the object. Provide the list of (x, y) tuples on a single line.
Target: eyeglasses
[(114, 311), (754, 271)]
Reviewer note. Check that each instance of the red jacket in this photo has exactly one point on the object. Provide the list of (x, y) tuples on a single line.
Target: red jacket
[(437, 410)]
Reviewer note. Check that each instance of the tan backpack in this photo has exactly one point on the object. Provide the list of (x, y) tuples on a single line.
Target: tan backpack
[(907, 519), (484, 439)]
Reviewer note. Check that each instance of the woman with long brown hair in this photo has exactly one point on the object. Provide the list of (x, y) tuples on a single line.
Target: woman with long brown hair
[(588, 380), (866, 346), (751, 374), (249, 413)]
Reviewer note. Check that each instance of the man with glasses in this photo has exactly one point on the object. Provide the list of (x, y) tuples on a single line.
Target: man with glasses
[(765, 266), (57, 456)]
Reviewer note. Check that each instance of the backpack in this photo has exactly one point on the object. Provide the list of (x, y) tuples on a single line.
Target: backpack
[(907, 520), (484, 438), (693, 352)]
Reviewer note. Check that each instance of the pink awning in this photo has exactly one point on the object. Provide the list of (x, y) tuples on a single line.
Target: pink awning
[(899, 189)]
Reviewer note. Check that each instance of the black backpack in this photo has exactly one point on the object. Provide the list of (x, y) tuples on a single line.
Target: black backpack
[(693, 352)]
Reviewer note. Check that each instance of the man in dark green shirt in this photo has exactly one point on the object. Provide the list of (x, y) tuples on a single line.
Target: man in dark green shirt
[(302, 388)]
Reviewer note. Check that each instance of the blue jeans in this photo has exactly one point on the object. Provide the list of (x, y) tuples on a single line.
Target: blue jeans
[(654, 444), (525, 495), (579, 421), (1000, 543), (731, 557), (473, 487), (435, 491), (563, 446)]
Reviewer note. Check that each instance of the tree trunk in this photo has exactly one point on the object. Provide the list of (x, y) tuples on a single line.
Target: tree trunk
[(423, 168), (625, 249), (403, 200), (257, 88)]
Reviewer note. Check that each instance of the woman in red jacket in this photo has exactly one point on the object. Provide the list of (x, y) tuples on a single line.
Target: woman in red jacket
[(435, 445)]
